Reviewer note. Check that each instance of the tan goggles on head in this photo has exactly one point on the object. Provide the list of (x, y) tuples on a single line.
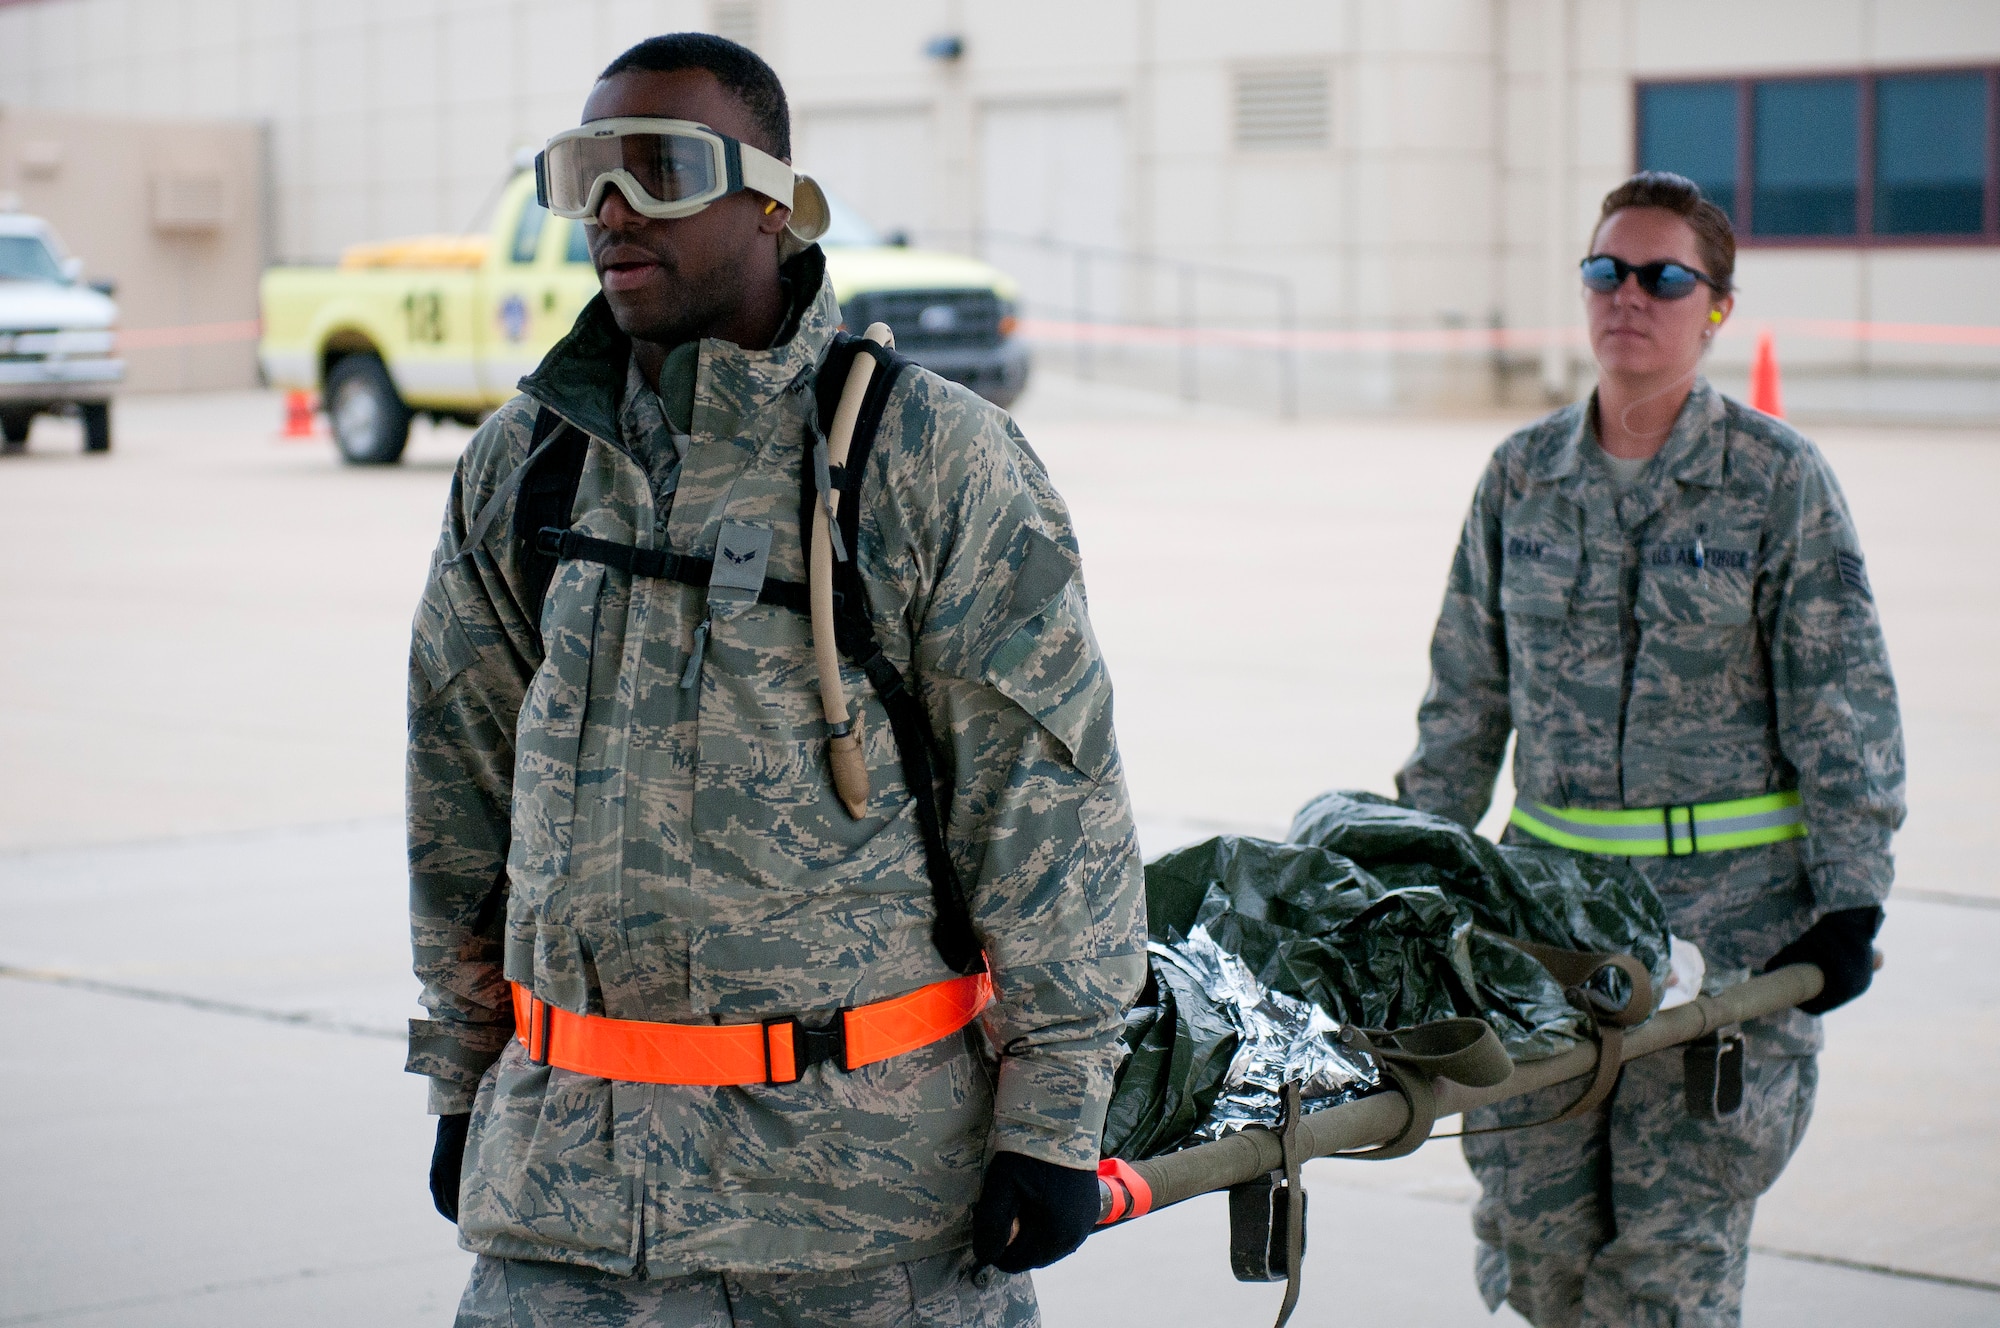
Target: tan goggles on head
[(664, 168)]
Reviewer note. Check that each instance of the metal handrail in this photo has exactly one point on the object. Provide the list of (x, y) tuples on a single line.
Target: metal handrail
[(1187, 274)]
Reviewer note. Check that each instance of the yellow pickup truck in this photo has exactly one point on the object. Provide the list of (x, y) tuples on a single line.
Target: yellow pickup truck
[(445, 325)]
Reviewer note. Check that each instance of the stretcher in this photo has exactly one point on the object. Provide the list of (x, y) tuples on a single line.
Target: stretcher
[(1259, 1166)]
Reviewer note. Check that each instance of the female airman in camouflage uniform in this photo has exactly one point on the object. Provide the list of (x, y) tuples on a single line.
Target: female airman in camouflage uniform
[(1660, 593)]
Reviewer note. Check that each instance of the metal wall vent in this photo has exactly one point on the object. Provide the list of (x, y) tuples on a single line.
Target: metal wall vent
[(1283, 108), (736, 20), (189, 201)]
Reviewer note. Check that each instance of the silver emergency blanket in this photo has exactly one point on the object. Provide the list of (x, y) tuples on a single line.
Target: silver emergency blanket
[(1279, 1039)]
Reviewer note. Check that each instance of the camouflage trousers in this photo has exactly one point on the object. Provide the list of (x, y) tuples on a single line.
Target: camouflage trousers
[(1638, 1213), (941, 1291)]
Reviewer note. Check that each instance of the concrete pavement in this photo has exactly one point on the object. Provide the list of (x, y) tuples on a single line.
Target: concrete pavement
[(203, 638)]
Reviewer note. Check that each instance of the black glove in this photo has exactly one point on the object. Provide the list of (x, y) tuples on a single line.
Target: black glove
[(447, 1160), (1055, 1206), (1840, 944)]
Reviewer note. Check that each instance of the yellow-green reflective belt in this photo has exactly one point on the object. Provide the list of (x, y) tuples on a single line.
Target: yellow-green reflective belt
[(1667, 832)]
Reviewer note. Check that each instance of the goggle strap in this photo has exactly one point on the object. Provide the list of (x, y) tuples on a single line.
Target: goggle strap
[(750, 168), (732, 166)]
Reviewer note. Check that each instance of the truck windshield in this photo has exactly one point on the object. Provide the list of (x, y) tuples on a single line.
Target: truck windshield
[(847, 228), (26, 258)]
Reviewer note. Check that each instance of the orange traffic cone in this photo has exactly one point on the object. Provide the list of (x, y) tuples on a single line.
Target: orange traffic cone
[(298, 414), (1765, 393)]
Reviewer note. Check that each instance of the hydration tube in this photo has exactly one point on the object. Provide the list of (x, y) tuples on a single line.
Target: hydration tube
[(844, 754)]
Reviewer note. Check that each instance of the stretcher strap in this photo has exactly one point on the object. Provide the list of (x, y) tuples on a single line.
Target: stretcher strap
[(1465, 1051), (1295, 1201), (1575, 969)]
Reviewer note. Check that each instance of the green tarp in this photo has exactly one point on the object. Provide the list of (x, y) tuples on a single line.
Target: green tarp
[(1381, 916)]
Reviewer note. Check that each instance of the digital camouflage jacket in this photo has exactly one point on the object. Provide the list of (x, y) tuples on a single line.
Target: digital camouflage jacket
[(634, 836), (1635, 674)]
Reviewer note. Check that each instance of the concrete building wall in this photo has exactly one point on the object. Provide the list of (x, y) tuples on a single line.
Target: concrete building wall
[(172, 211), (1465, 144)]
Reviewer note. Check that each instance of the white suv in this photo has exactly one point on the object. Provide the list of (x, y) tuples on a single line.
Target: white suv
[(57, 337)]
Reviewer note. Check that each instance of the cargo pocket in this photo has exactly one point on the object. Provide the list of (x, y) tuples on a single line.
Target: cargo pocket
[(1700, 704), (440, 647), (549, 736), (1537, 576), (1744, 1153), (1046, 660), (550, 1166), (1676, 595)]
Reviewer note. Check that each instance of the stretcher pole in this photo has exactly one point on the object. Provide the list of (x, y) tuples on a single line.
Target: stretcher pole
[(1134, 1189)]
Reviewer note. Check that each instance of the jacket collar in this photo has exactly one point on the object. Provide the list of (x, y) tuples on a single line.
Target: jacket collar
[(1693, 454), (582, 378)]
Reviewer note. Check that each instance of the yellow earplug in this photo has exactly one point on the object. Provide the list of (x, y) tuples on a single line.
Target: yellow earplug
[(1715, 315), (770, 207)]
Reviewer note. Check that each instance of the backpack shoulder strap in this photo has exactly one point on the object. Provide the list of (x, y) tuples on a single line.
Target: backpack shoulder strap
[(854, 632), (545, 498)]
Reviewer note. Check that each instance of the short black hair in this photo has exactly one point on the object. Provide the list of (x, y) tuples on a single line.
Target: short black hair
[(737, 68)]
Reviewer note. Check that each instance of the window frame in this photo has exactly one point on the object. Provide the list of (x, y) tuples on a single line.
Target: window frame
[(1864, 236)]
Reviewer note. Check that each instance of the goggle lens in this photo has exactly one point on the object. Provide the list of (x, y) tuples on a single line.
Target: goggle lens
[(668, 167), (1662, 281)]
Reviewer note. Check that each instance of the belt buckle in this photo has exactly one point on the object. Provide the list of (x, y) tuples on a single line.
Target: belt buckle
[(548, 541), (810, 1046), (541, 1020), (1667, 816)]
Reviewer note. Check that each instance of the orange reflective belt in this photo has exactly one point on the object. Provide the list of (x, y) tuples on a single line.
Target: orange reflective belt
[(776, 1051)]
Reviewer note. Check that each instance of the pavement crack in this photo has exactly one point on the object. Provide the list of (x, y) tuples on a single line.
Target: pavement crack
[(1955, 898), (206, 1289), (296, 1018), (1879, 1269)]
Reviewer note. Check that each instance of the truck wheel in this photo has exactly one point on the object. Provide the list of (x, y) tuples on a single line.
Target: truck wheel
[(14, 426), (371, 425), (96, 416)]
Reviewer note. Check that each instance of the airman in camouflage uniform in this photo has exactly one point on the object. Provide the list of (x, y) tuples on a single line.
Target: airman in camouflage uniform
[(1708, 635), (637, 821)]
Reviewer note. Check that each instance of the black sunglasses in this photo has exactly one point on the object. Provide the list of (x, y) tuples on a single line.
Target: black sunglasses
[(1661, 280)]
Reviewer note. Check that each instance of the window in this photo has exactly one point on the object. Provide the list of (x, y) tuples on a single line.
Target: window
[(1282, 108), (1806, 158), (1690, 129), (578, 250), (1892, 158), (528, 232), (1930, 154), (26, 258)]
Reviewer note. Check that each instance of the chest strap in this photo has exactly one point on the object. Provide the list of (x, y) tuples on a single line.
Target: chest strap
[(1667, 832), (772, 1051), (564, 545)]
